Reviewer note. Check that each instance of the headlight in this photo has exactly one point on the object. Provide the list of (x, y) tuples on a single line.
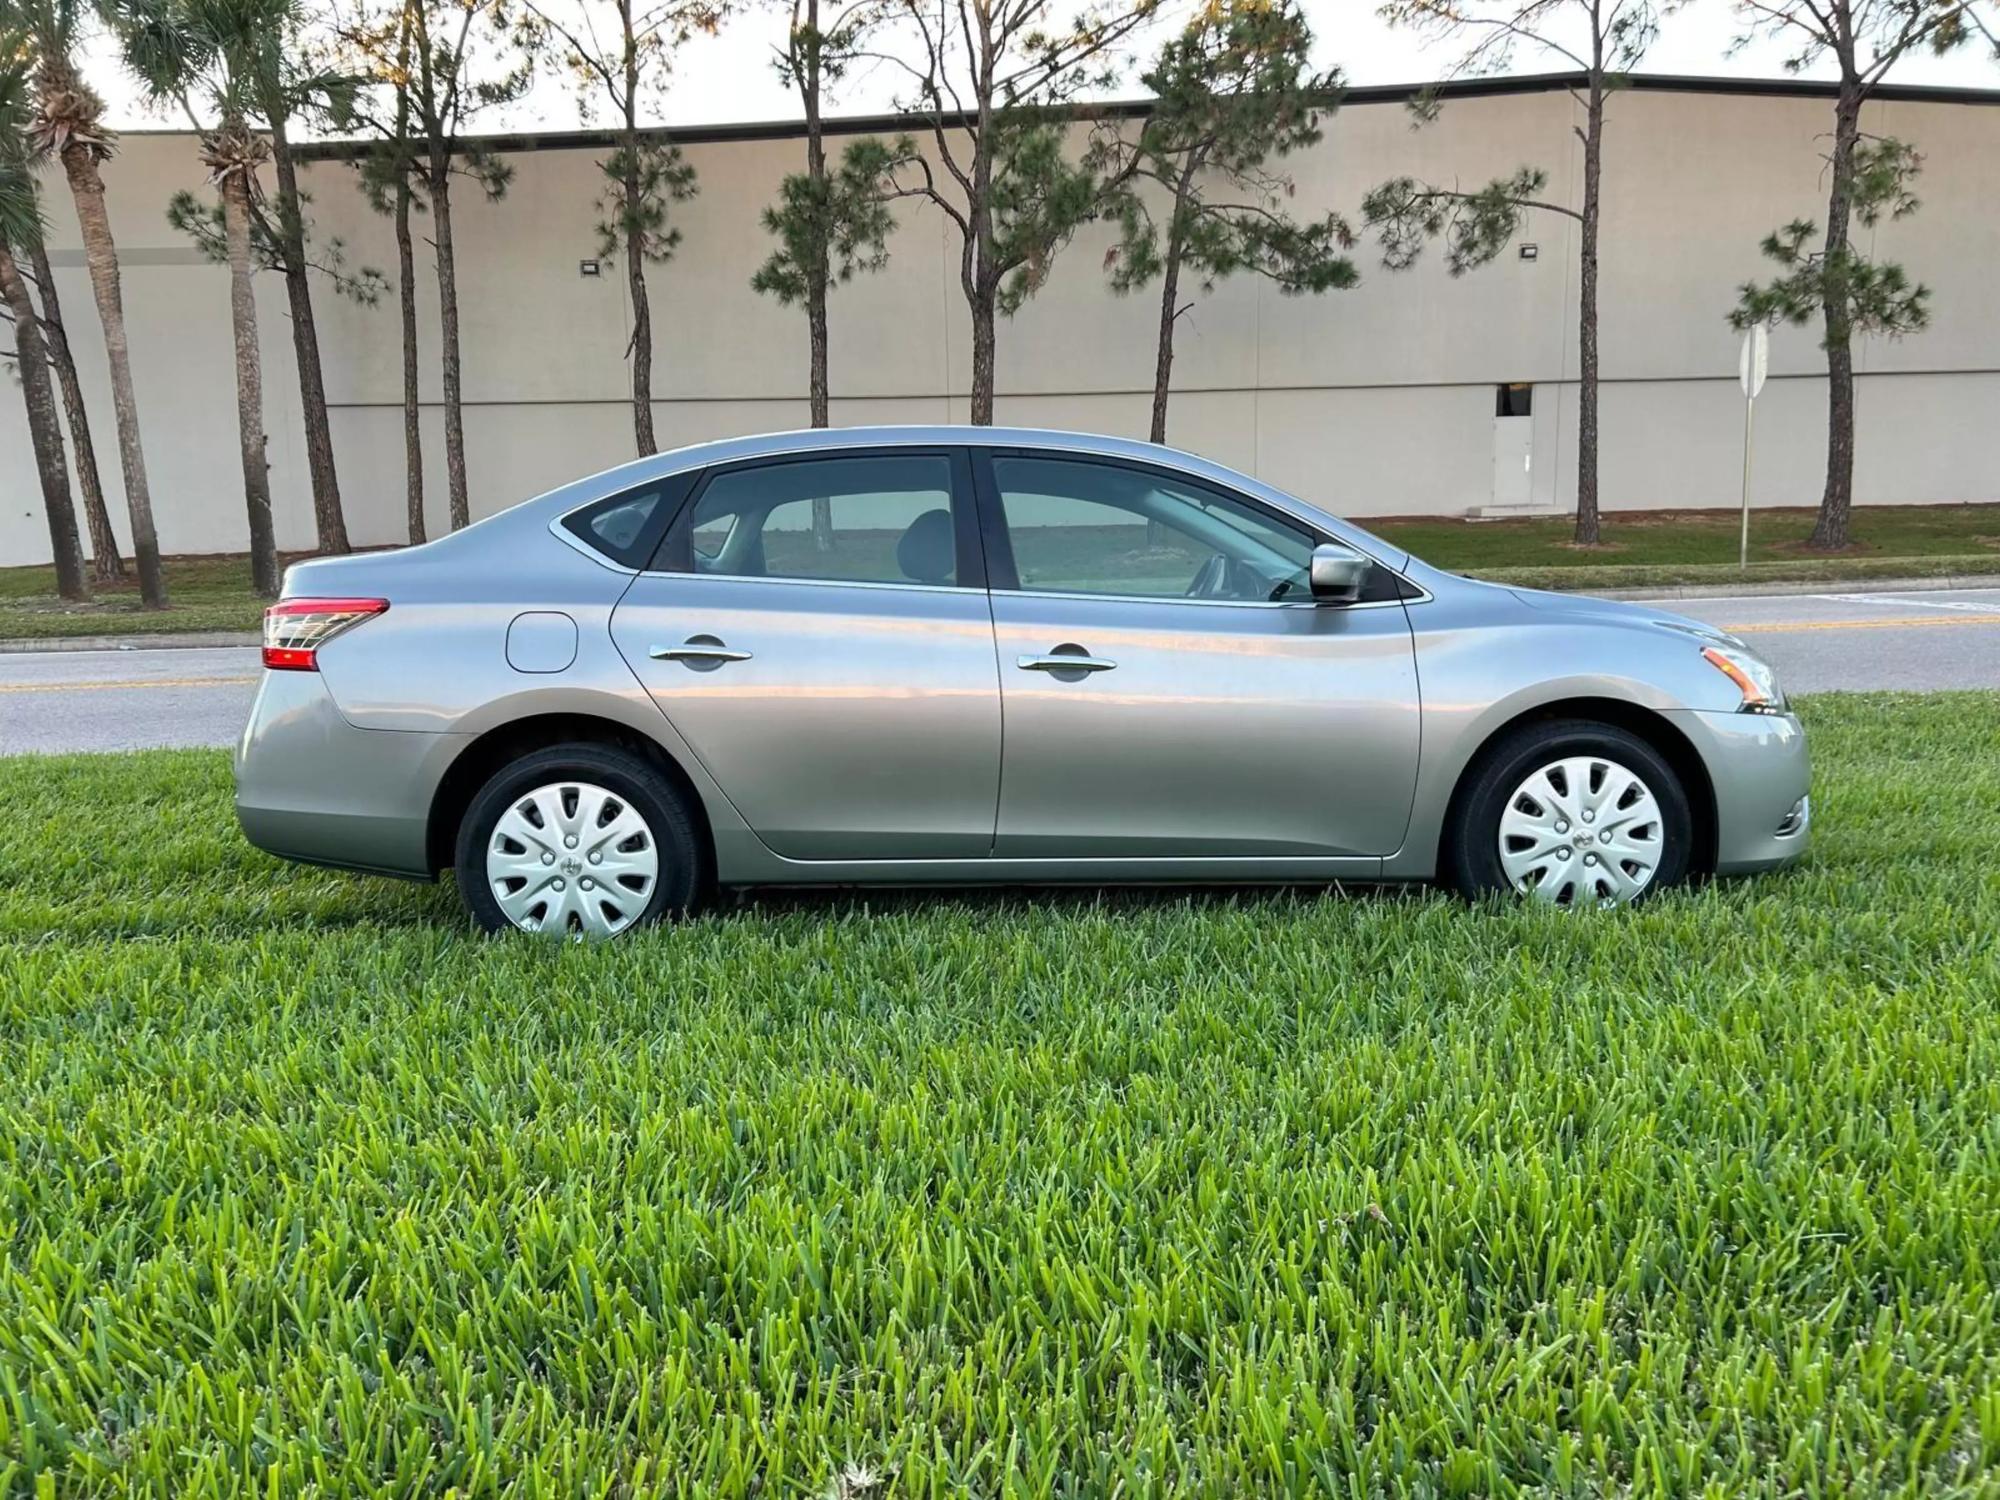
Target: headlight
[(1753, 678)]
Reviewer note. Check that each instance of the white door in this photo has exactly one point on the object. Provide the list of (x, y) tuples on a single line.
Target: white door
[(1513, 460)]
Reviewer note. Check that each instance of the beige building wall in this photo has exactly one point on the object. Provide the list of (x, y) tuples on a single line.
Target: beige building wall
[(1375, 401)]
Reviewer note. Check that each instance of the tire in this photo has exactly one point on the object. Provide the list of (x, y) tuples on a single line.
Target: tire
[(571, 860), (1554, 786)]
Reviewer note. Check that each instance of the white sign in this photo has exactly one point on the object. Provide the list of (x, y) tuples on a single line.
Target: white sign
[(1755, 361)]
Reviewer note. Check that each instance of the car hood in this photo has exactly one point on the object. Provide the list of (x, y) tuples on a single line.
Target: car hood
[(1583, 607)]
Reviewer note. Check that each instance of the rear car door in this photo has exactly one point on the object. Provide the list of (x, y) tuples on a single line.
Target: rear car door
[(816, 627), (1170, 688)]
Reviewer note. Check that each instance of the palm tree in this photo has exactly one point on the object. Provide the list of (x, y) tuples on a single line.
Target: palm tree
[(106, 566), (216, 51), (21, 224), (67, 124)]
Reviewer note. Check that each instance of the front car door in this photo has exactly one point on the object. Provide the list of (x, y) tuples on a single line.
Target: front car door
[(1170, 690), (816, 628)]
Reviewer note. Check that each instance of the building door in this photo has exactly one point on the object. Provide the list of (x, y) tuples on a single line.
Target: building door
[(1513, 446)]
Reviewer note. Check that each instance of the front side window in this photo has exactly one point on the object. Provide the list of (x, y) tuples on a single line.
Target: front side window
[(1097, 528), (869, 519)]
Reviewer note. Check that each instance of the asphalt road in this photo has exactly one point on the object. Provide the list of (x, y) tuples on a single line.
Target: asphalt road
[(125, 700), (128, 700)]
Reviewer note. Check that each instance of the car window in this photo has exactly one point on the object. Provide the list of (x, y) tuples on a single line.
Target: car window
[(870, 519), (621, 527), (1096, 528)]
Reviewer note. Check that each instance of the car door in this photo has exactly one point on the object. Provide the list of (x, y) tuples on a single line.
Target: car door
[(817, 629), (1169, 688)]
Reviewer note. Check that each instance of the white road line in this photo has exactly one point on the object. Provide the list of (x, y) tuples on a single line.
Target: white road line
[(1958, 604), (1791, 598)]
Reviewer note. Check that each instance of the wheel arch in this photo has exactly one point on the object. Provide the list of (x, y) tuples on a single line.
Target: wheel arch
[(476, 764), (1655, 728)]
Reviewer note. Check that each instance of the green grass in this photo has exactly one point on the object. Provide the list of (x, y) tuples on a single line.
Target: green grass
[(204, 593), (305, 1190), (1654, 548), (1672, 547)]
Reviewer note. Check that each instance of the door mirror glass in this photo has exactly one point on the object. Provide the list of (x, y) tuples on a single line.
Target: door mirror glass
[(1338, 573)]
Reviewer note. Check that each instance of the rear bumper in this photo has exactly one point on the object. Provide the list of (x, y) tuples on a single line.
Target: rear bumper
[(310, 786), (1761, 774)]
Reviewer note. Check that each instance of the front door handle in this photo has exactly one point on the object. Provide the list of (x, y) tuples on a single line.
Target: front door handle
[(1064, 661), (702, 652)]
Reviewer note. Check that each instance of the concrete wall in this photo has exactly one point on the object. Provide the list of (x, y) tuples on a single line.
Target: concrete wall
[(1377, 401)]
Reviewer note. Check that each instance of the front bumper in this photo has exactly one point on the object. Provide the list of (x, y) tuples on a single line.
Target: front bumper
[(310, 786), (1761, 774)]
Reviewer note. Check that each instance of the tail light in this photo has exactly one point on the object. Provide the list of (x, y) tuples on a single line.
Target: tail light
[(295, 629)]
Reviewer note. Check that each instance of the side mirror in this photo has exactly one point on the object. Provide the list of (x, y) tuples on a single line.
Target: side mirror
[(1337, 573)]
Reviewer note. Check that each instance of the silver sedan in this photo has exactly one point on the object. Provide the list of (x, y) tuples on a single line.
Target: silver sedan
[(949, 655)]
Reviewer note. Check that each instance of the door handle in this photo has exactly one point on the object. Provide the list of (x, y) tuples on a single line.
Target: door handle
[(699, 650), (1064, 661)]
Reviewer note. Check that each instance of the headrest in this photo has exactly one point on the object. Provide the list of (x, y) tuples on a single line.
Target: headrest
[(928, 551)]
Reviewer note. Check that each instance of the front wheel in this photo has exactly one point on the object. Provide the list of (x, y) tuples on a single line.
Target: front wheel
[(581, 841), (1572, 813)]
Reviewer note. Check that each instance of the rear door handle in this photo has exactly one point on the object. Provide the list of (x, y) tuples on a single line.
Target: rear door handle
[(1063, 661), (698, 651)]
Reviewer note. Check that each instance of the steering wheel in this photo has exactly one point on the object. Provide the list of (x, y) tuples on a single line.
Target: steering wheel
[(1214, 579)]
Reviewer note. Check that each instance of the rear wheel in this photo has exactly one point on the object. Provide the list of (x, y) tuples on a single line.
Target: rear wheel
[(1572, 813), (580, 840)]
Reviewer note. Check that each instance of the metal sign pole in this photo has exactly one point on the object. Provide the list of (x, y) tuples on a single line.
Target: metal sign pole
[(1751, 367), (1749, 426)]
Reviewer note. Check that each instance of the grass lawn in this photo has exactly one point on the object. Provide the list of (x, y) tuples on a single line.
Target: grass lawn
[(1896, 541), (204, 593), (305, 1189), (1666, 547)]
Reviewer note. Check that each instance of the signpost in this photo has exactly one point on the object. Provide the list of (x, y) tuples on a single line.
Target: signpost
[(1751, 368)]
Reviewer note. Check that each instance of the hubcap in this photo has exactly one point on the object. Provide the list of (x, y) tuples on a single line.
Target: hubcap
[(1582, 830), (546, 841)]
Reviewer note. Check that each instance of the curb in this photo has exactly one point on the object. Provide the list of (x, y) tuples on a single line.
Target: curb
[(190, 640), (1800, 586)]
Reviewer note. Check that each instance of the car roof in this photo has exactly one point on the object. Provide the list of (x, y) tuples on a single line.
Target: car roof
[(822, 439), (761, 445)]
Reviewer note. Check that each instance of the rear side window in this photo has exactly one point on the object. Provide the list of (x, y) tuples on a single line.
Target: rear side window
[(626, 529), (887, 518)]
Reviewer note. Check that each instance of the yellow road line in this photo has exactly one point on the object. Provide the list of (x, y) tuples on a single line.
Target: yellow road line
[(137, 682), (1778, 627)]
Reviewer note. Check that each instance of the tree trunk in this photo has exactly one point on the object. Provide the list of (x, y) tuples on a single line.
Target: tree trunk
[(816, 339), (817, 274), (635, 252), (1163, 365), (249, 384), (413, 437), (100, 253), (822, 507), (984, 312), (642, 321), (44, 433), (447, 274), (329, 520), (106, 565), (406, 290), (1586, 322), (1836, 501), (976, 271)]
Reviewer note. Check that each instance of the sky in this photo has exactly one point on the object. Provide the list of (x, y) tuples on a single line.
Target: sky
[(729, 79)]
